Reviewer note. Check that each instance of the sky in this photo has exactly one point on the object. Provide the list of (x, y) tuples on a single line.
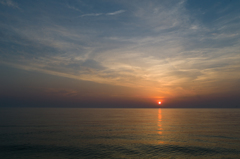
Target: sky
[(120, 53)]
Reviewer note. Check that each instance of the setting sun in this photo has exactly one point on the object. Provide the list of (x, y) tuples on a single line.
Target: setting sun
[(159, 102)]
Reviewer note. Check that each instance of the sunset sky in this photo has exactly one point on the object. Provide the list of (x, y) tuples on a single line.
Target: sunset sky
[(120, 53)]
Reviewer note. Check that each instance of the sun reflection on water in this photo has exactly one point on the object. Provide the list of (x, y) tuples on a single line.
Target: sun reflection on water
[(160, 121)]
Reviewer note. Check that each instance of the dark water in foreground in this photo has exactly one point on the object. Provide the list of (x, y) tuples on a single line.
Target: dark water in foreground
[(119, 133)]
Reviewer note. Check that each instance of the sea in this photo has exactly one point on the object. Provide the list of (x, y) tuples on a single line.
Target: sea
[(92, 133)]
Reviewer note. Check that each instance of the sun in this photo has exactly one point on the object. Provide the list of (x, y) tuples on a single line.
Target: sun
[(159, 103)]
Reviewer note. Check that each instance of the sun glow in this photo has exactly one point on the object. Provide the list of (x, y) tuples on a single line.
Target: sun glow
[(159, 103)]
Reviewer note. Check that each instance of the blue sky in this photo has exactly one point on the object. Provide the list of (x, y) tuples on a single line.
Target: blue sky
[(157, 49)]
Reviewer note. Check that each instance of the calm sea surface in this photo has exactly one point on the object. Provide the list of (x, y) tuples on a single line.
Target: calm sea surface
[(119, 133)]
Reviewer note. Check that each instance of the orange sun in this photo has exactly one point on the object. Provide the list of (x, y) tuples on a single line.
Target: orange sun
[(159, 103)]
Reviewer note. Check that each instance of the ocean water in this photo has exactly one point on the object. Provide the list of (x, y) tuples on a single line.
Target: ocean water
[(69, 133)]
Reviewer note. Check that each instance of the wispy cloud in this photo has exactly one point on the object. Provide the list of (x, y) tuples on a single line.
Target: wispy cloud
[(157, 47), (91, 14), (115, 13), (98, 14), (9, 3), (73, 8)]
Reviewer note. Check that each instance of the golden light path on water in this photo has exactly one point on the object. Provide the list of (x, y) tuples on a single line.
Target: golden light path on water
[(160, 129), (160, 121)]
